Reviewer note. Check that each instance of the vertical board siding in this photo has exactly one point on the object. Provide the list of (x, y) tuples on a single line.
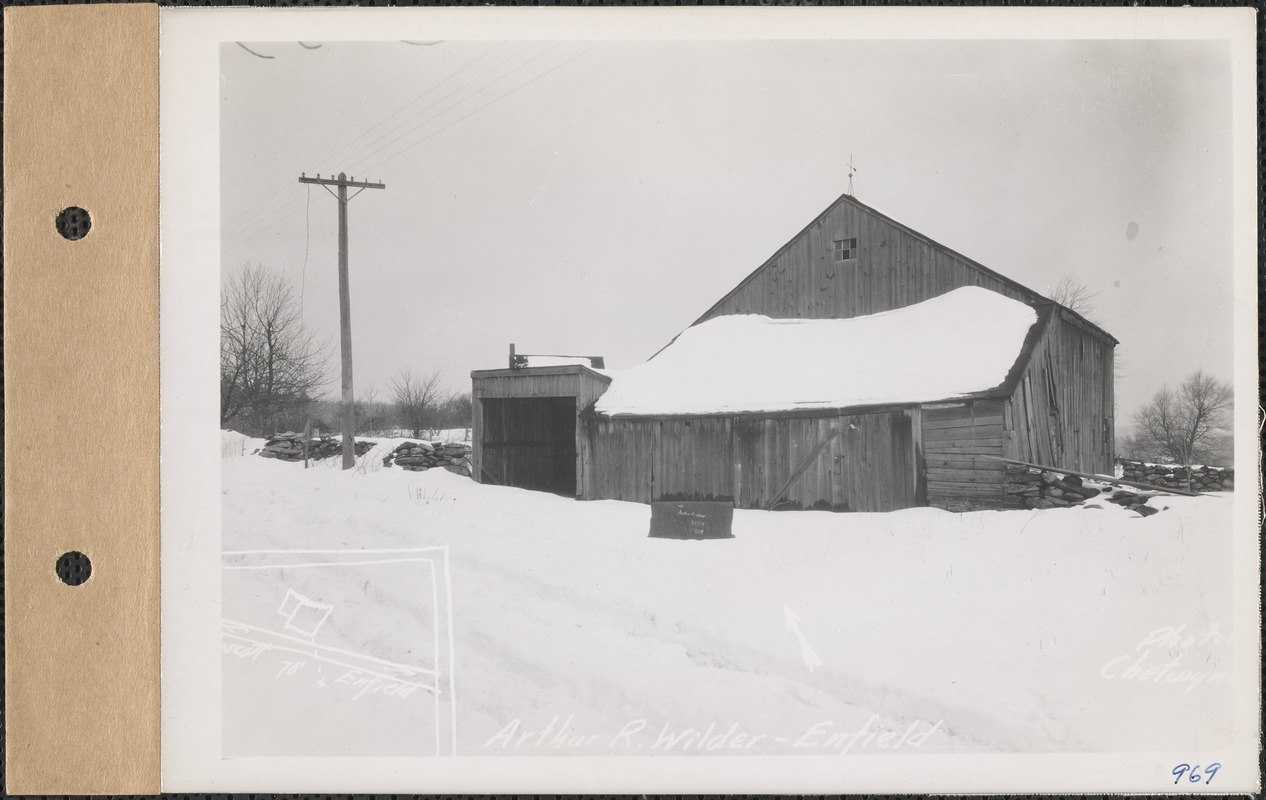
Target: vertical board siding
[(894, 268), (1061, 412), (622, 466), (953, 438), (692, 459), (868, 466)]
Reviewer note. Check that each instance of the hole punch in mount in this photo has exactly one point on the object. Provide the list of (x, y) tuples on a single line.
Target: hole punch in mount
[(74, 568), (73, 223)]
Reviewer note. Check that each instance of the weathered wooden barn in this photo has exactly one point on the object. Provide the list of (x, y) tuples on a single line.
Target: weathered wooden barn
[(809, 385)]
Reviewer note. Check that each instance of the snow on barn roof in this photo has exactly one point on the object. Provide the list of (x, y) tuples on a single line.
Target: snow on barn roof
[(959, 343)]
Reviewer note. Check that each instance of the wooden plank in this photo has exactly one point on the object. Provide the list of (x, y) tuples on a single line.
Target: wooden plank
[(942, 413), (930, 446), (965, 432), (963, 422), (975, 491), (962, 425), (966, 486), (954, 434), (974, 479), (964, 475), (958, 493), (962, 431), (969, 461)]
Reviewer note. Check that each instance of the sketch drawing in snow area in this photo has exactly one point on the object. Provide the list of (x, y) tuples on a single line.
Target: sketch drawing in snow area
[(310, 614), (345, 674), (911, 533)]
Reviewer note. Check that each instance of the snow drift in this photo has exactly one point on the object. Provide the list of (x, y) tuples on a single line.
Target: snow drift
[(1020, 631)]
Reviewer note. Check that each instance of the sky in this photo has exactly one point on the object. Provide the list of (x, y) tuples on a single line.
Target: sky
[(594, 198)]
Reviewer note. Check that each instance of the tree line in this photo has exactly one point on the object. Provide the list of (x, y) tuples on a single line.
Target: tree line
[(274, 372)]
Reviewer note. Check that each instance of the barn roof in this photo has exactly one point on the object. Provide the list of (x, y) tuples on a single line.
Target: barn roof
[(962, 343)]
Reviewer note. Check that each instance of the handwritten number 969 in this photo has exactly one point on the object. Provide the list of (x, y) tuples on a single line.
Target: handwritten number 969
[(1194, 774)]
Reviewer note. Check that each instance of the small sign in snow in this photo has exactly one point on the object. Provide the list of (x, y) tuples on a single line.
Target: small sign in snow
[(692, 520)]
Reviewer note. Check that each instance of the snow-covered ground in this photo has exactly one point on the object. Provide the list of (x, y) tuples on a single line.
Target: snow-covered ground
[(1055, 630)]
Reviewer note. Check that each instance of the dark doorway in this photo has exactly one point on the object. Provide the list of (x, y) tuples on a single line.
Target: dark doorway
[(530, 442)]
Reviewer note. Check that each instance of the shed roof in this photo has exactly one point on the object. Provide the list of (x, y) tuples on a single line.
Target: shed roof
[(958, 344)]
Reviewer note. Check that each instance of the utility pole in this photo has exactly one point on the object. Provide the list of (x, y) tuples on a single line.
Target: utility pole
[(344, 302)]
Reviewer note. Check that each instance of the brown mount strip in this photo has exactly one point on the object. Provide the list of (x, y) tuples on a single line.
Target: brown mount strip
[(81, 399)]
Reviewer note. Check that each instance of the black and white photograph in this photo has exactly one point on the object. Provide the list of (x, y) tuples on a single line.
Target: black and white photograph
[(593, 394)]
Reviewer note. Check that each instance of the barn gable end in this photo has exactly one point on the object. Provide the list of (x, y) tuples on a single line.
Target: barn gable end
[(888, 266)]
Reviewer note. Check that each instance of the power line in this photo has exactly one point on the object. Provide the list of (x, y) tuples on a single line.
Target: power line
[(481, 108), (442, 99), (395, 113), (286, 187), (261, 231), (426, 122), (429, 136), (262, 223), (274, 207)]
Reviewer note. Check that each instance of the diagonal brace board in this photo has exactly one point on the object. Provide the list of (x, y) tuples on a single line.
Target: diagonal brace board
[(803, 467)]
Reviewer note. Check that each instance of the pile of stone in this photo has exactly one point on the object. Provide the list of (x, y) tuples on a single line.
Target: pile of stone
[(1174, 476), (1133, 500), (289, 447), (421, 456), (1027, 487)]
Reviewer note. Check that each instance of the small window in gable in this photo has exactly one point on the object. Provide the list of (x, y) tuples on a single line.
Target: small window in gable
[(845, 249)]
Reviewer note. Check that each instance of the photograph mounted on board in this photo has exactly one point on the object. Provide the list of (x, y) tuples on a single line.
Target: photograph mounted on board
[(597, 397)]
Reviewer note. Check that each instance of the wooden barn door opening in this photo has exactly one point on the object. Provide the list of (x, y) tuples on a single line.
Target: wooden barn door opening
[(530, 442), (874, 463)]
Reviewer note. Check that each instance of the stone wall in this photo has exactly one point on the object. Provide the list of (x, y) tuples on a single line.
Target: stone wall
[(289, 447), (421, 456), (1173, 476), (1026, 487)]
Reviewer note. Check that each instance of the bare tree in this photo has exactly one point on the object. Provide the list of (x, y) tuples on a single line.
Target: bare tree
[(1184, 426), (1073, 293), (371, 413), (271, 366), (417, 399), (458, 411), (1076, 295)]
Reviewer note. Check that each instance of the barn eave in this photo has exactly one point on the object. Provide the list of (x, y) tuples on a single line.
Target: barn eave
[(571, 369)]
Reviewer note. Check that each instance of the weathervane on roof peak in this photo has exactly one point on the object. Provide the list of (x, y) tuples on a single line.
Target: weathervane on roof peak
[(852, 170)]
